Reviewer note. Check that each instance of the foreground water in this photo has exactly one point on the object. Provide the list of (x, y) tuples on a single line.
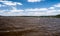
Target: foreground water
[(29, 26)]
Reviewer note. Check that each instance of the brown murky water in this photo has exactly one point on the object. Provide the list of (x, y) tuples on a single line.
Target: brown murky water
[(29, 26)]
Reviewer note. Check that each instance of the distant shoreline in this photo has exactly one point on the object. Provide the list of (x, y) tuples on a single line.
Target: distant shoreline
[(27, 16)]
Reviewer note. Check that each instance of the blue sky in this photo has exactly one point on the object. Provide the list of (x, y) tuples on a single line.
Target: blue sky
[(29, 7)]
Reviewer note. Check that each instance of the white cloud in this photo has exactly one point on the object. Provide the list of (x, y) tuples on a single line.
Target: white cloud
[(10, 3), (51, 12), (33, 12), (11, 12), (34, 0), (42, 11), (51, 8), (14, 9), (19, 3), (57, 5), (36, 10)]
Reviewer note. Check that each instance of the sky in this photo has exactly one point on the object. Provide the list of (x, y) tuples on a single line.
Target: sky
[(29, 7)]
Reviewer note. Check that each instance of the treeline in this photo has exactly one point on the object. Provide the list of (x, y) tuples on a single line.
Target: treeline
[(57, 16)]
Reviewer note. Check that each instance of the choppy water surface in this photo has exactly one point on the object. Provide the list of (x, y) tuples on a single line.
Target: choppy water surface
[(30, 26)]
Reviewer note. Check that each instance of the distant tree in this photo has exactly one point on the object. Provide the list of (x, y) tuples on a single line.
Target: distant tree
[(58, 15)]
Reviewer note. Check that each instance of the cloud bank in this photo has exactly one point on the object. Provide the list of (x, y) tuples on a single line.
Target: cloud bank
[(29, 11)]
